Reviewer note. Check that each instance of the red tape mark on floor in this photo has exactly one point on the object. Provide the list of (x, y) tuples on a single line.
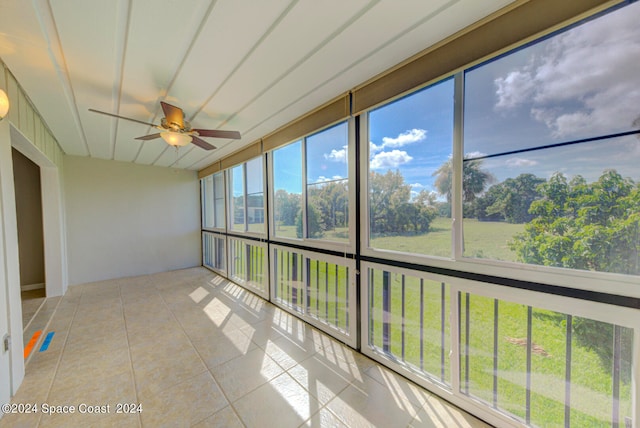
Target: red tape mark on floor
[(31, 344)]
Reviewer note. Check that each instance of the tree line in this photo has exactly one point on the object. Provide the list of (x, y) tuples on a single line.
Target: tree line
[(568, 222)]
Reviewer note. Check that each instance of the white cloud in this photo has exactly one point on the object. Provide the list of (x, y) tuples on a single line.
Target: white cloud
[(323, 179), (518, 162), (473, 155), (408, 137), (514, 89), (337, 155), (392, 159), (417, 186), (585, 81)]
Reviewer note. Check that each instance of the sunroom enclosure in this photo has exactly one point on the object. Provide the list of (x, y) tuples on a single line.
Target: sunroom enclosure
[(476, 230)]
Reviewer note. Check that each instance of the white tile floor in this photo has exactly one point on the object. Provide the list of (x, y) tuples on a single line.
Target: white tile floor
[(31, 302), (195, 350)]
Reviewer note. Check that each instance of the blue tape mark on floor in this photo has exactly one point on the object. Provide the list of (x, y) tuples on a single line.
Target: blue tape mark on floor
[(47, 341)]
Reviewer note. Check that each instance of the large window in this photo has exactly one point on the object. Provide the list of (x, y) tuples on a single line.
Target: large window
[(410, 172), (212, 193), (236, 200), (327, 184), (287, 189), (310, 187), (255, 196), (206, 195), (218, 200), (246, 190), (474, 191), (548, 177)]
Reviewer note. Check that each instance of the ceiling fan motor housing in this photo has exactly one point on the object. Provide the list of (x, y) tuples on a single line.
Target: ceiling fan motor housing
[(175, 126)]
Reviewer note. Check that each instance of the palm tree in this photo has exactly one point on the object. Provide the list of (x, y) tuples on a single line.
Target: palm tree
[(474, 178)]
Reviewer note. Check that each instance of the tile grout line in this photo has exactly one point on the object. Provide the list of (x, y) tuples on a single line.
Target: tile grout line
[(33, 317), (286, 371), (64, 345), (133, 375), (224, 394), (201, 360)]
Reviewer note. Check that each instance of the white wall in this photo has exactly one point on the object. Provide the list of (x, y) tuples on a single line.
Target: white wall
[(125, 219)]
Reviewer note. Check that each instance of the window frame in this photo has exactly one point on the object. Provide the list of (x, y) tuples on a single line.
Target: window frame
[(212, 194), (224, 201), (342, 247), (624, 285), (204, 197), (603, 312), (229, 193)]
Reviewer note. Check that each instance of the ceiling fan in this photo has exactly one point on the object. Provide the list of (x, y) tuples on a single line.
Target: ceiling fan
[(176, 130)]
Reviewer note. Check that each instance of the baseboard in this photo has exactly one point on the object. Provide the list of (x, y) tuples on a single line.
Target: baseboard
[(29, 287)]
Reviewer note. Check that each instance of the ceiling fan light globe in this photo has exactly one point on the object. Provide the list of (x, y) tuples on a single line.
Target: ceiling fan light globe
[(175, 138), (4, 104)]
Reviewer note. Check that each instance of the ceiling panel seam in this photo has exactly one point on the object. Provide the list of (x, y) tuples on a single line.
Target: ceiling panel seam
[(360, 60), (183, 155), (201, 26), (355, 63), (341, 72), (119, 60), (304, 59), (261, 40), (309, 54), (44, 15), (160, 155)]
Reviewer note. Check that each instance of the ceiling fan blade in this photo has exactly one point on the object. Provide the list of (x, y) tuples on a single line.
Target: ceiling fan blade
[(201, 143), (121, 117), (173, 114), (149, 137), (216, 133)]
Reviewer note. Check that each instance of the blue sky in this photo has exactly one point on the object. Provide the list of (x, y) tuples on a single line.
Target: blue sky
[(413, 135), (581, 83)]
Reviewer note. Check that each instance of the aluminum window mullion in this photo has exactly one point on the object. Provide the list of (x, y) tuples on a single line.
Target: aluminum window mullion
[(496, 320), (303, 201), (364, 182), (457, 238), (567, 371), (442, 326), (225, 199), (352, 191), (615, 375), (245, 195), (528, 362), (635, 377), (202, 203), (454, 337)]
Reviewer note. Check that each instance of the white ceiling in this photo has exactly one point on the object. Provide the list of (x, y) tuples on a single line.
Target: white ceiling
[(245, 65)]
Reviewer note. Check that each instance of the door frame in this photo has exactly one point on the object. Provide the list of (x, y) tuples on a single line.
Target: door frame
[(56, 277)]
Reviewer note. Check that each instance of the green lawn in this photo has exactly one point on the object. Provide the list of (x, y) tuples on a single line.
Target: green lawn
[(489, 240), (482, 239)]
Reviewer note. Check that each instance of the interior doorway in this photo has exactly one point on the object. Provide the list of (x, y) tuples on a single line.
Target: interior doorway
[(28, 194)]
